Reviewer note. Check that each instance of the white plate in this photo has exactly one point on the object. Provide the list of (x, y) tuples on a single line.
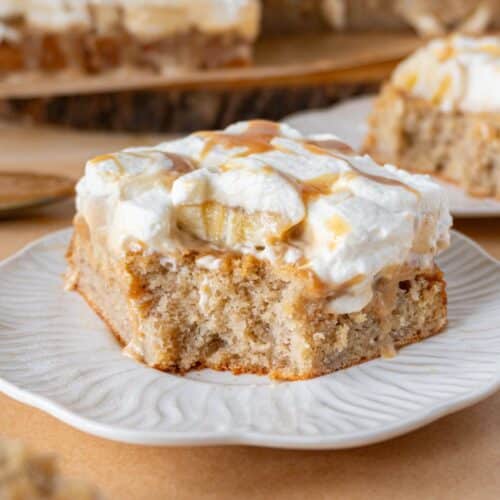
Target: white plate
[(348, 121), (55, 354)]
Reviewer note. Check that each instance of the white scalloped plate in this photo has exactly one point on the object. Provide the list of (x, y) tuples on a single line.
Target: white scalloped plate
[(55, 354), (348, 121)]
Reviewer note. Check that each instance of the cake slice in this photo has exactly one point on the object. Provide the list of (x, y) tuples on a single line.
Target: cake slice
[(440, 114), (93, 36), (257, 250)]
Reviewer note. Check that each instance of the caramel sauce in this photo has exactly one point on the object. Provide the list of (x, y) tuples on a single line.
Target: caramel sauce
[(181, 164), (228, 168), (388, 182), (266, 169), (386, 291), (447, 52), (263, 127), (106, 157), (325, 148), (318, 147), (319, 186), (490, 48), (421, 244), (167, 178), (444, 86), (255, 139), (343, 288), (339, 227), (409, 81)]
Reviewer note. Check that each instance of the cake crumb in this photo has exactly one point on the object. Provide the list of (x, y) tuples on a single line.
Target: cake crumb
[(387, 350)]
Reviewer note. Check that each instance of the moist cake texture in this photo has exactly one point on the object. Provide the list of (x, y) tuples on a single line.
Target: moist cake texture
[(92, 36), (440, 114), (256, 249)]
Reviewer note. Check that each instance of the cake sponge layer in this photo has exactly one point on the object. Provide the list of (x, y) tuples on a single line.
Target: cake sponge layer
[(416, 135), (234, 312)]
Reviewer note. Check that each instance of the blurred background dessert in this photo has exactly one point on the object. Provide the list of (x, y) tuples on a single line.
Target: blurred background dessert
[(178, 65), (426, 17), (28, 475), (94, 36)]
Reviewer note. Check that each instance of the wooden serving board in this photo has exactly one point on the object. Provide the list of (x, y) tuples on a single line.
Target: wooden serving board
[(291, 60)]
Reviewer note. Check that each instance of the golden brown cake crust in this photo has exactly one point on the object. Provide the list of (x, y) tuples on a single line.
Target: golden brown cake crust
[(412, 133), (244, 317)]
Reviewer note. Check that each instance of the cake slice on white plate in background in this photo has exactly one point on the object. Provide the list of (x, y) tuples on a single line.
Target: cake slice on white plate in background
[(92, 35), (440, 114)]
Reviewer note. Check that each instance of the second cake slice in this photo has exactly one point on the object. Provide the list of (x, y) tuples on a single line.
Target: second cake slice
[(440, 114)]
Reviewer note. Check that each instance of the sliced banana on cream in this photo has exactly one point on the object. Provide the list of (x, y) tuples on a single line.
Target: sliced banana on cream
[(245, 206)]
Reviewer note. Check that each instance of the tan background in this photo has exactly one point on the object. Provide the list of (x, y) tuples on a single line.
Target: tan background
[(457, 457)]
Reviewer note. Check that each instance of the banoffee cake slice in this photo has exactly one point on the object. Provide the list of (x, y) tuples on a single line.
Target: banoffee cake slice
[(258, 250), (440, 114)]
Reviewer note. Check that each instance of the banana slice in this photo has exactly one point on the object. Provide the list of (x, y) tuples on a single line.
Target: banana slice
[(237, 207), (231, 227)]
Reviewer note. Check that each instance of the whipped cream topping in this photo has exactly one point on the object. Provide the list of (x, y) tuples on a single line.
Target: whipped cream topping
[(147, 19), (261, 188), (455, 73)]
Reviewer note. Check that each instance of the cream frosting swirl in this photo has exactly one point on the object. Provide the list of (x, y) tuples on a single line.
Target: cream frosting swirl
[(263, 189), (455, 73)]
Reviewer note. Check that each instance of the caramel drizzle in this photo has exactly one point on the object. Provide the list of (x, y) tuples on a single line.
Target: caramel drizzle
[(444, 87), (325, 148), (181, 164), (255, 139), (319, 146), (319, 186), (342, 288), (447, 52), (111, 157), (339, 227), (258, 136)]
